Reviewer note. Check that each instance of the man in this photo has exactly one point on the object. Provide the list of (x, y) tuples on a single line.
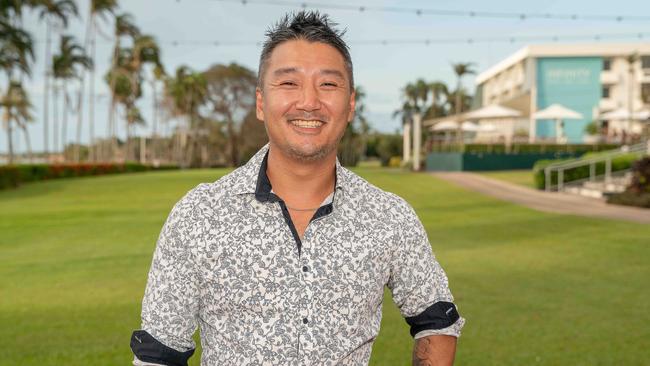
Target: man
[(284, 260)]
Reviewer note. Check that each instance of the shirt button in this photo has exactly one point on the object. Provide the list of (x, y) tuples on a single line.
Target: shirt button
[(305, 269), (305, 320)]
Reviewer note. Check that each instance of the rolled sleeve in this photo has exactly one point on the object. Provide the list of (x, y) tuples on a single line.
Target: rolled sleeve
[(171, 300), (418, 283)]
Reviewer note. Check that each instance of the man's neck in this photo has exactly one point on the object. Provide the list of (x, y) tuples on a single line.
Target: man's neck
[(301, 184)]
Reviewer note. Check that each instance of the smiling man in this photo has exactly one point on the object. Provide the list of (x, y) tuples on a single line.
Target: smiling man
[(284, 260)]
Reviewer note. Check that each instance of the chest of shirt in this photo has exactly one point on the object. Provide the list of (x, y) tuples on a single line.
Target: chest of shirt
[(251, 261)]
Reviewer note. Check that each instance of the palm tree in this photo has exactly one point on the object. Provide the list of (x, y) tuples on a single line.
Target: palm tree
[(461, 69), (17, 110), (158, 75), (186, 92), (16, 54), (133, 117), (439, 100), (65, 67), (98, 8), (49, 11), (124, 26)]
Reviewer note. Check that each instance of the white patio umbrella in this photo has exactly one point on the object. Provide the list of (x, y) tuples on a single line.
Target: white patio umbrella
[(624, 114), (492, 111), (453, 125), (558, 113)]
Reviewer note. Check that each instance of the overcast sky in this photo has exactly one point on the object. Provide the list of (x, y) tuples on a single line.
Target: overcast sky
[(382, 70)]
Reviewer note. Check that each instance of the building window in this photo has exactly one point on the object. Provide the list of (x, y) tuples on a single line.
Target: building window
[(607, 64), (645, 93), (606, 92), (645, 62)]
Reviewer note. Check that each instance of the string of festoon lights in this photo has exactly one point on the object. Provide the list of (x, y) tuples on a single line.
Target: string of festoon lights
[(445, 12), (638, 36)]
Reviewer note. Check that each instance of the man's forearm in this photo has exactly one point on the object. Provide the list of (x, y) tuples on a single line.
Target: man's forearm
[(434, 350)]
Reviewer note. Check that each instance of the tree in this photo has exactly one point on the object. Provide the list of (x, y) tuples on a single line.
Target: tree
[(145, 50), (101, 9), (124, 27), (66, 66), (353, 143), (460, 69), (16, 55), (51, 10), (17, 107), (185, 93), (231, 96)]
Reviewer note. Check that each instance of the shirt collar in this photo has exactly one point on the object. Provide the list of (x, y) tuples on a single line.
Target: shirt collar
[(252, 177)]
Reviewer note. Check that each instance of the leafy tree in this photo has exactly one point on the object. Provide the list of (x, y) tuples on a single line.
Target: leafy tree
[(185, 93), (16, 55), (17, 108), (353, 143), (231, 97), (98, 9), (460, 69), (49, 11), (66, 65)]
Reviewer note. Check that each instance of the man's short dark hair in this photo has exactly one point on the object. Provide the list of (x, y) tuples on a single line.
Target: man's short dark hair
[(310, 26)]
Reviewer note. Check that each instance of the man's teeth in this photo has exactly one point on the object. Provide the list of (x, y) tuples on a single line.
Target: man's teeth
[(306, 123)]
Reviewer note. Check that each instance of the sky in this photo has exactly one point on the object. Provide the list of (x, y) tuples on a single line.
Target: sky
[(189, 30)]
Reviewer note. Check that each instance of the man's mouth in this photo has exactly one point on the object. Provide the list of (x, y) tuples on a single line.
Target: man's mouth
[(304, 123)]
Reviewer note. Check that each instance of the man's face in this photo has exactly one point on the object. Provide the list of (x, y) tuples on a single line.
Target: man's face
[(305, 101)]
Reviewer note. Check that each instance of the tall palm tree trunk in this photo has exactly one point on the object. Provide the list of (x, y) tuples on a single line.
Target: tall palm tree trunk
[(91, 96), (459, 129), (28, 143), (155, 121), (64, 124), (79, 125), (10, 145), (46, 88), (55, 127)]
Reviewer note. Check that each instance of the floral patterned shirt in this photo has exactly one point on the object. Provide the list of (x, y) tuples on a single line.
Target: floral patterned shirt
[(230, 262)]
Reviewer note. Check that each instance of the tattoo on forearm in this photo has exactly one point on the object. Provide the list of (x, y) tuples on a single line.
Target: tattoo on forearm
[(422, 351)]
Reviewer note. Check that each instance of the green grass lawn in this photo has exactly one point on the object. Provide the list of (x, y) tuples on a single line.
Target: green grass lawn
[(520, 177), (535, 288)]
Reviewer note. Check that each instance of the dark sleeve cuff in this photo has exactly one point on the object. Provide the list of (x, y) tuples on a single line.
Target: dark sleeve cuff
[(148, 349), (437, 316)]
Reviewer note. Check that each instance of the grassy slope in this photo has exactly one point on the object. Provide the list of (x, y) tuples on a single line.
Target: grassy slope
[(535, 288)]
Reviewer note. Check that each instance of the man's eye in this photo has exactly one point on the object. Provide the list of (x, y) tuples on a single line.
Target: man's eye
[(332, 85), (288, 83)]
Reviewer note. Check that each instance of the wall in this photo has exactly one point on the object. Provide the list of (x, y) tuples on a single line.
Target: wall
[(573, 82)]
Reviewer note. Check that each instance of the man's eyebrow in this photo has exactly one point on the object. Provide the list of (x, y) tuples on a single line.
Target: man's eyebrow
[(285, 70), (332, 72)]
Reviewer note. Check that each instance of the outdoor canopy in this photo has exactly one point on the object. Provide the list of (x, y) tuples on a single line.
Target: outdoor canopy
[(624, 114), (492, 111), (558, 113)]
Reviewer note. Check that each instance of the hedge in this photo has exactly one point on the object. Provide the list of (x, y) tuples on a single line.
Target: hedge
[(14, 175), (621, 162), (638, 193), (577, 149)]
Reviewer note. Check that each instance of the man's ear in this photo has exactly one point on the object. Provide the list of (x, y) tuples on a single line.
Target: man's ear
[(259, 104), (353, 103)]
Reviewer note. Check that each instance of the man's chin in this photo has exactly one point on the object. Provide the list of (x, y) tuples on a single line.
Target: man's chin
[(309, 153)]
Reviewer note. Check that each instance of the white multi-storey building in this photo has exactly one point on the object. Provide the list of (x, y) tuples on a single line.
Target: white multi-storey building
[(592, 79)]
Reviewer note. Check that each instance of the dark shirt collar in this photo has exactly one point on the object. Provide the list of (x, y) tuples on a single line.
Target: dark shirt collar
[(252, 177)]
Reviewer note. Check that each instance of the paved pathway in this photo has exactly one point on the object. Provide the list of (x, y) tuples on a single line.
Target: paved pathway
[(563, 203)]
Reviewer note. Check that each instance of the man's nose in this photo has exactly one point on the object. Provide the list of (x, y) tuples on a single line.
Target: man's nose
[(309, 98)]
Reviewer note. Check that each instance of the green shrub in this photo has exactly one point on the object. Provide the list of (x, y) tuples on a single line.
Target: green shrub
[(638, 193), (14, 175), (619, 163)]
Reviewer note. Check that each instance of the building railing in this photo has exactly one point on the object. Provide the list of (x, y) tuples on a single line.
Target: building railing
[(640, 149)]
